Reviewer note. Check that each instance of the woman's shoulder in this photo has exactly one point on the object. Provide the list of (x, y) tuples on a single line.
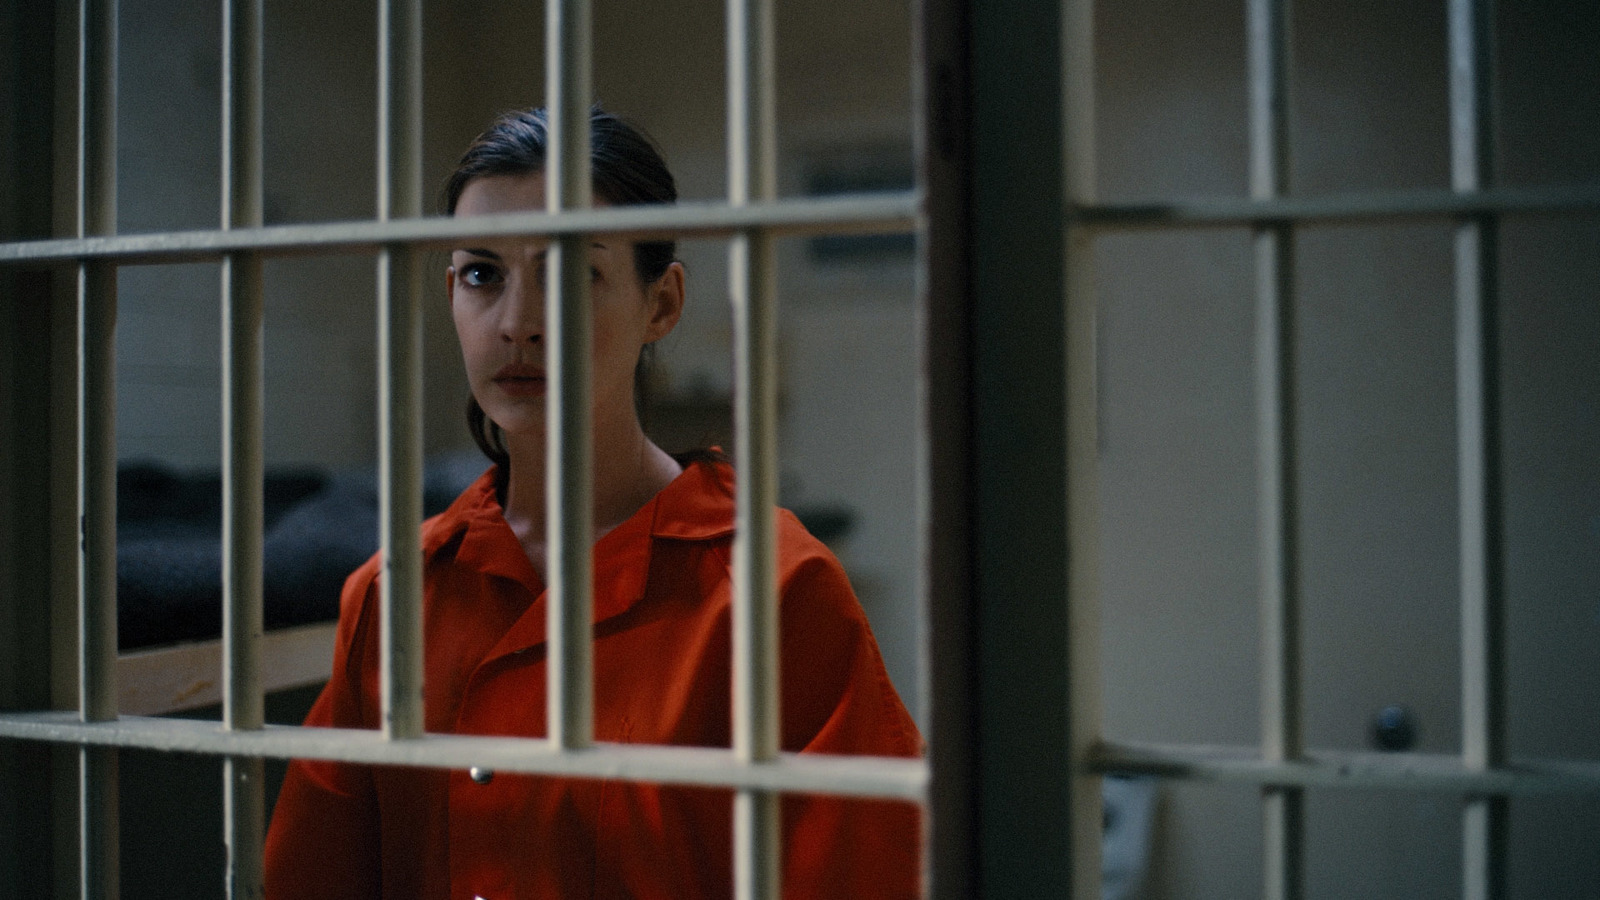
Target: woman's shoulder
[(797, 546), (701, 504), (438, 531)]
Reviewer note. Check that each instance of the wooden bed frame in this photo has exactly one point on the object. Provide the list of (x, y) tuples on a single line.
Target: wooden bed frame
[(159, 680)]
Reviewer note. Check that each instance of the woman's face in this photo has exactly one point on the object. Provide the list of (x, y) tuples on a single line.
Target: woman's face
[(497, 298)]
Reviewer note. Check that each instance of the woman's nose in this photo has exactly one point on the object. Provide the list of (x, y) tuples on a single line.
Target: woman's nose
[(522, 309)]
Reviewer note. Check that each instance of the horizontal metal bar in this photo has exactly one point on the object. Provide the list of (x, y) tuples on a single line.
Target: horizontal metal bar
[(1336, 209), (853, 214), (856, 214), (860, 776), (1392, 771)]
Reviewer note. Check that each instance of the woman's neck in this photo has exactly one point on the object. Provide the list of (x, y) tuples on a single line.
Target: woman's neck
[(629, 469)]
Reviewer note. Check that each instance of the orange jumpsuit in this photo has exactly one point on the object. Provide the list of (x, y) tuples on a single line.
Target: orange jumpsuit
[(662, 676)]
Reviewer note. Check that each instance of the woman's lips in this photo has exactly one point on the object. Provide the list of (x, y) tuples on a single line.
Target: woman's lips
[(520, 381)]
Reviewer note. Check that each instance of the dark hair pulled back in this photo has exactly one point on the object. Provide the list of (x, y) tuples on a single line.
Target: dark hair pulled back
[(625, 166), (626, 169)]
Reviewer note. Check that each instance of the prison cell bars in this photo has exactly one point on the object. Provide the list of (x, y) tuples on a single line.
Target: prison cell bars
[(98, 256), (1482, 774), (752, 218)]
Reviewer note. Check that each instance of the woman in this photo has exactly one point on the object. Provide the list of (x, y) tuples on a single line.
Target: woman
[(662, 552)]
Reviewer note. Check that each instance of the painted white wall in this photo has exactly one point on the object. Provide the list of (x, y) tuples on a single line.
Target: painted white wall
[(319, 312)]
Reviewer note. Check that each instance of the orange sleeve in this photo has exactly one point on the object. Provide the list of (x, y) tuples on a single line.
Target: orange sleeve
[(323, 840), (837, 698)]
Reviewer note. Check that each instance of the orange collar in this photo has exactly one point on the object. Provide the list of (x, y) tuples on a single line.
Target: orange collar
[(698, 505)]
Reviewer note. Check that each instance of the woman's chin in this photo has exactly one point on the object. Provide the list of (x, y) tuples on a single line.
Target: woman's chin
[(521, 420)]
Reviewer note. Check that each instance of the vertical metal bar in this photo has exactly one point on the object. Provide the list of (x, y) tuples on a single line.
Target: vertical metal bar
[(97, 313), (944, 174), (31, 456), (569, 438), (1483, 614), (752, 165), (97, 474), (242, 368), (1281, 730), (1083, 449), (99, 849), (244, 813), (1020, 452), (400, 368), (244, 802), (97, 608)]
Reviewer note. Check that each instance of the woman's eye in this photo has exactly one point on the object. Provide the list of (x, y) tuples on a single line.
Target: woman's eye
[(479, 274)]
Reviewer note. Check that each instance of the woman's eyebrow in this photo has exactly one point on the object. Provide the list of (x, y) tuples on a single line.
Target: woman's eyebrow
[(490, 254)]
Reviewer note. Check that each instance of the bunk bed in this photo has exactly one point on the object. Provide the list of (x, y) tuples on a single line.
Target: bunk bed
[(318, 526)]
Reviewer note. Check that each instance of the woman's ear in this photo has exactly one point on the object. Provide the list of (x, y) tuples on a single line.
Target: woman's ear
[(666, 303)]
